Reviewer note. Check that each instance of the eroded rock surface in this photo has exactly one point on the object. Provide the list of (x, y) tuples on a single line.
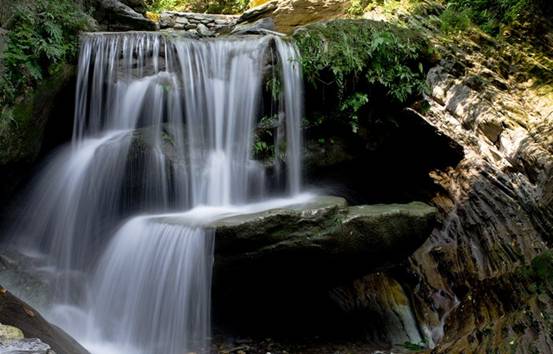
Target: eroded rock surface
[(289, 14), (465, 283)]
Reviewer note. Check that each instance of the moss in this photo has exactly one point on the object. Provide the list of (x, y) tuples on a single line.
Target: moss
[(22, 125), (542, 267)]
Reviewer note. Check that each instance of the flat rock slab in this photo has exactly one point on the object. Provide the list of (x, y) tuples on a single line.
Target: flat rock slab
[(280, 264), (323, 233)]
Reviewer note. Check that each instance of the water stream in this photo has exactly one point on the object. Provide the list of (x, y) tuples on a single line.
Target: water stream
[(163, 124)]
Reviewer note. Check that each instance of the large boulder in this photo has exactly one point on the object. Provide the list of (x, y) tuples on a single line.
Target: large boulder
[(324, 236), (137, 5), (115, 15), (289, 14), (278, 266)]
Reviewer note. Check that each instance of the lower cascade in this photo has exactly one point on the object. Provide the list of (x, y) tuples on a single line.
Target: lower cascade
[(164, 125)]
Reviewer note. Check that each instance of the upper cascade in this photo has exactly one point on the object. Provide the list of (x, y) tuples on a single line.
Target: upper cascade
[(192, 108)]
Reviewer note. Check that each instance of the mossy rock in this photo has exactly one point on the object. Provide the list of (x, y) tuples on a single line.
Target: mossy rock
[(280, 264), (542, 267), (22, 126), (321, 237), (10, 333)]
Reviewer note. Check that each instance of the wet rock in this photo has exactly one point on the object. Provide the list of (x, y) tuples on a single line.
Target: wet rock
[(257, 27), (137, 5), (282, 263), (37, 331), (19, 274), (326, 230), (204, 31), (384, 305), (117, 16), (25, 346)]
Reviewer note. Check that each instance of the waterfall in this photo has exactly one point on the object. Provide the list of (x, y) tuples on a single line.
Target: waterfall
[(163, 124)]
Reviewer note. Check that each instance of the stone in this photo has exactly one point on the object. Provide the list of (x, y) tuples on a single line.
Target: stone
[(282, 263), (137, 5), (289, 14), (258, 12), (116, 16), (257, 27), (384, 305), (204, 31), (167, 20), (25, 346), (320, 233), (9, 333), (497, 205), (192, 21)]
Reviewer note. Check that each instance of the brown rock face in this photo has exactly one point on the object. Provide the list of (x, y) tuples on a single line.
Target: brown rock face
[(497, 214), (289, 14), (464, 284)]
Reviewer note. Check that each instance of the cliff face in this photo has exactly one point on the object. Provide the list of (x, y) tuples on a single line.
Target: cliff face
[(498, 208), (469, 287)]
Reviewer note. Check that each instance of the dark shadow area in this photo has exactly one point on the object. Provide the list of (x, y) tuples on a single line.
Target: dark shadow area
[(392, 166), (14, 178)]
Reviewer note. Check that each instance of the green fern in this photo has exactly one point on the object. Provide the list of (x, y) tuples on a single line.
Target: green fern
[(352, 50), (43, 34)]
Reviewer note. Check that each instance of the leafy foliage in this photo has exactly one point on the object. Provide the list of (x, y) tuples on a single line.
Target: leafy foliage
[(358, 7), (490, 15), (454, 20), (353, 51), (542, 267), (208, 6), (352, 105), (44, 34)]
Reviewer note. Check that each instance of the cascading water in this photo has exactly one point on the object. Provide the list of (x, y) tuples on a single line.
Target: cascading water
[(163, 124)]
